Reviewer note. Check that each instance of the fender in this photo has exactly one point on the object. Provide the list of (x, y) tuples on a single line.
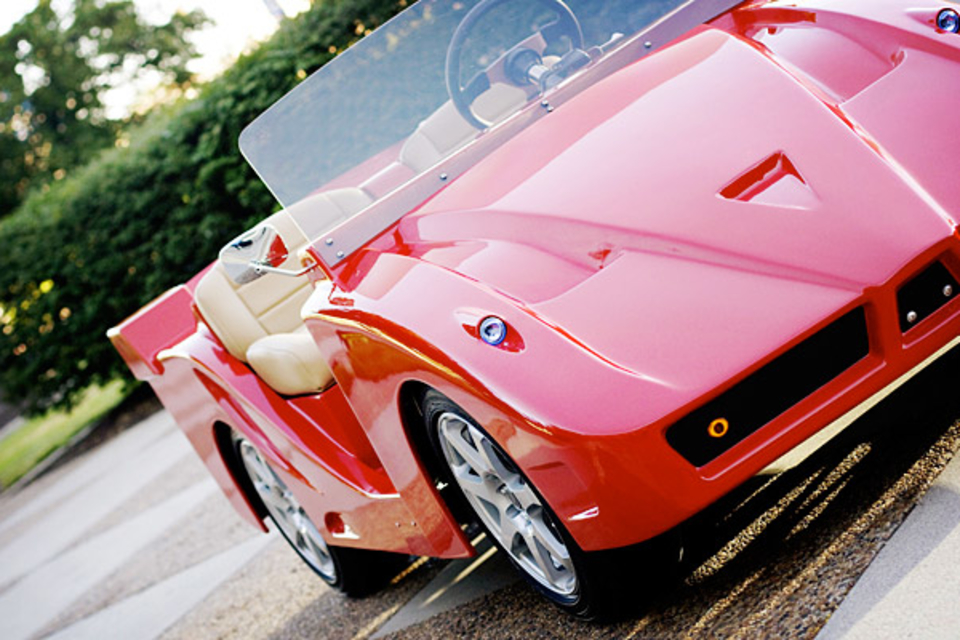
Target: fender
[(367, 336)]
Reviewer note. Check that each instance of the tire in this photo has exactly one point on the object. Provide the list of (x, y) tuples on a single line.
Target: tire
[(588, 585), (355, 572)]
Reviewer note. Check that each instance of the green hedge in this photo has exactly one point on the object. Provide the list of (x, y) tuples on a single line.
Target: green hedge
[(95, 247)]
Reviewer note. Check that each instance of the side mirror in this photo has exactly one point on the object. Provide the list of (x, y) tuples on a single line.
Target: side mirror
[(255, 253)]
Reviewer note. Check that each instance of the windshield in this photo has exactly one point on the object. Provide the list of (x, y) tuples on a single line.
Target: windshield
[(354, 123)]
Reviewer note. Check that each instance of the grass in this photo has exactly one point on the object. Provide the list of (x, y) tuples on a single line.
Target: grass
[(23, 449)]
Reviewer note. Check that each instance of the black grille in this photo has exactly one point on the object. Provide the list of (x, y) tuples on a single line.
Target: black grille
[(707, 432), (924, 294)]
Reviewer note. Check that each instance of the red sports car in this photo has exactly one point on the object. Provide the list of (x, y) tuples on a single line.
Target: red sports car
[(571, 269)]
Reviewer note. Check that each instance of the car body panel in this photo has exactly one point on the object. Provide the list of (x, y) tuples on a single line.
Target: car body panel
[(650, 243)]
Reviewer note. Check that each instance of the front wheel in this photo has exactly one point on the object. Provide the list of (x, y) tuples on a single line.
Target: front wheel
[(589, 585), (355, 572)]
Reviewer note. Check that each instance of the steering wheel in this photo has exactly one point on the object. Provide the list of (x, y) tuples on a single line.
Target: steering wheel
[(566, 25)]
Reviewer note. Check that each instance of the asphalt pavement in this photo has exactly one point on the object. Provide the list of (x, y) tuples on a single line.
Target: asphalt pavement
[(134, 540)]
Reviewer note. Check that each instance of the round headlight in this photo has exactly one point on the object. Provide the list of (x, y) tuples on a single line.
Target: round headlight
[(948, 20), (493, 330)]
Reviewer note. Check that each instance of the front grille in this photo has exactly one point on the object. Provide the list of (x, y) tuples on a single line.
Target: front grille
[(924, 294), (707, 432)]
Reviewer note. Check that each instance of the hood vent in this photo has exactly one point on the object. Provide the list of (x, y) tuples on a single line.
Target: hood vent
[(774, 182)]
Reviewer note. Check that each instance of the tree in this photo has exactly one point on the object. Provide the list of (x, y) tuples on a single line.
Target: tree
[(54, 72), (94, 247)]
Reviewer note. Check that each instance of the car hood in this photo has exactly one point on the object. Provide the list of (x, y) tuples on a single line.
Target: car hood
[(701, 207)]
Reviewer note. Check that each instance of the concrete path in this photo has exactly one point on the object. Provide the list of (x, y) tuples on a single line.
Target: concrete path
[(149, 613), (134, 540), (912, 588), (48, 558), (11, 425), (9, 418), (127, 540)]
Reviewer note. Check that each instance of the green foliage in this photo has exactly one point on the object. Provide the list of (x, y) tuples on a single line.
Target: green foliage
[(53, 80), (114, 235)]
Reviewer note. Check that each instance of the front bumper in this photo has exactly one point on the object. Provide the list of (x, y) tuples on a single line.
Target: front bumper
[(640, 486)]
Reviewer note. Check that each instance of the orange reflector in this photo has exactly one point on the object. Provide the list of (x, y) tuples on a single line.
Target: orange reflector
[(718, 428)]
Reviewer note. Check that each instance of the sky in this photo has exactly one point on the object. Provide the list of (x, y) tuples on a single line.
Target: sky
[(236, 25)]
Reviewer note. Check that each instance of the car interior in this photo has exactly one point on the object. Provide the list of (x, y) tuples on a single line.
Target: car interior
[(259, 321)]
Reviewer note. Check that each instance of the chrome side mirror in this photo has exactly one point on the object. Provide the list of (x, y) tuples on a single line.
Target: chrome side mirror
[(255, 253)]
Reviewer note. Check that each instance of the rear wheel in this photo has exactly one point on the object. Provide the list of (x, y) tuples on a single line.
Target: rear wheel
[(588, 585), (355, 572)]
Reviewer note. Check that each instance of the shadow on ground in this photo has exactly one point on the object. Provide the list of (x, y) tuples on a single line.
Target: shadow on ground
[(774, 559)]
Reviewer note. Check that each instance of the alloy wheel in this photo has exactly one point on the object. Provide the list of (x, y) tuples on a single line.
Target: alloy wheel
[(286, 512), (506, 503)]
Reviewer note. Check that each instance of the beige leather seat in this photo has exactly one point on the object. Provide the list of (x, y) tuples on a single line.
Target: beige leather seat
[(445, 130), (259, 322)]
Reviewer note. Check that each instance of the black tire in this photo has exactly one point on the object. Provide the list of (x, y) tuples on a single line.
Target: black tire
[(589, 585), (355, 572), (362, 572)]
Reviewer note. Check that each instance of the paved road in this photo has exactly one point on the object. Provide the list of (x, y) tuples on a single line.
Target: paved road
[(912, 588), (9, 417), (133, 540)]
